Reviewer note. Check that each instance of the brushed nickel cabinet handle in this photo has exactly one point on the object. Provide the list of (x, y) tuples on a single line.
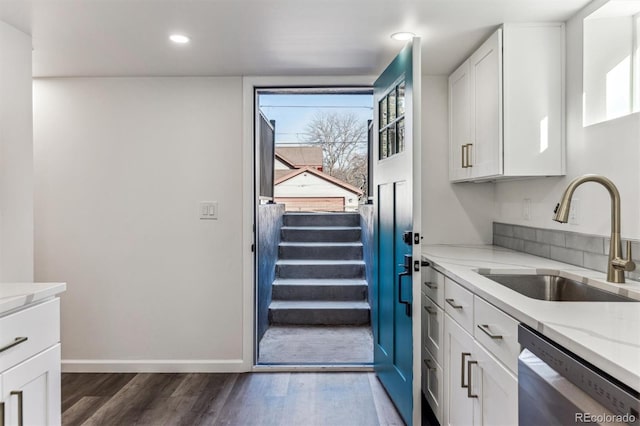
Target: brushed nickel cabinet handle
[(469, 394), (1, 413), (469, 145), (20, 407), (431, 285), (15, 342), (452, 302), (430, 310), (487, 331), (463, 356)]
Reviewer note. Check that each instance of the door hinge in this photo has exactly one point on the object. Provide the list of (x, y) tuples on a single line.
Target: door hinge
[(416, 266), (416, 238), (253, 248)]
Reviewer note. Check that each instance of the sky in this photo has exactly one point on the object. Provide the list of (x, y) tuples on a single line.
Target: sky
[(292, 112)]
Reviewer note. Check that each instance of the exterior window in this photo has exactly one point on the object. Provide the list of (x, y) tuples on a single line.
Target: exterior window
[(391, 133), (610, 70)]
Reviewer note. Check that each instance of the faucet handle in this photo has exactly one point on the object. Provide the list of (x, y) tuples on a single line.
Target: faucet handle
[(625, 264)]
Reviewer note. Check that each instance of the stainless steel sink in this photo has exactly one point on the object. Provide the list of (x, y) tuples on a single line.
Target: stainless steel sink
[(555, 288)]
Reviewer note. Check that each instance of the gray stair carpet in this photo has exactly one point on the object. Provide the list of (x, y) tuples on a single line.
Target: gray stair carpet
[(320, 274)]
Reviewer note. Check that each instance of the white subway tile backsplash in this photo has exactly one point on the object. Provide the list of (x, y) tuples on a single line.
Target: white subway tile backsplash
[(589, 251)]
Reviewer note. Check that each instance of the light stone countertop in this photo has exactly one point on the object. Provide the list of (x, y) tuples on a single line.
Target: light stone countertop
[(16, 295), (606, 334)]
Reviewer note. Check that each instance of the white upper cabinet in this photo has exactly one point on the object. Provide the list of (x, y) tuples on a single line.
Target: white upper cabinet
[(459, 122), (506, 106)]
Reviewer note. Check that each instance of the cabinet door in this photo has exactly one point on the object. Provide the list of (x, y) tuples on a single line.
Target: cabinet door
[(496, 389), (433, 328), (459, 123), (32, 389), (458, 350), (485, 70)]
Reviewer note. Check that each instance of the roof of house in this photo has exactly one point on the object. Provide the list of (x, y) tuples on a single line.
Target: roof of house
[(318, 173), (282, 173), (300, 156)]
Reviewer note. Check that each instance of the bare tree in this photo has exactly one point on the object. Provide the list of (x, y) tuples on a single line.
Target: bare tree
[(343, 138)]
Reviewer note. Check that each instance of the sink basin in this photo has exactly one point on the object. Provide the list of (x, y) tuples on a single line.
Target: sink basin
[(555, 288)]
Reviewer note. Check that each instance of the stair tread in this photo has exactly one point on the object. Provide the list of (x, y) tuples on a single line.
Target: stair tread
[(321, 244), (318, 304), (321, 228), (322, 214), (320, 282), (319, 262)]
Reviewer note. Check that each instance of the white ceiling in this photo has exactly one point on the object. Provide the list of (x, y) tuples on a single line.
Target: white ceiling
[(259, 37)]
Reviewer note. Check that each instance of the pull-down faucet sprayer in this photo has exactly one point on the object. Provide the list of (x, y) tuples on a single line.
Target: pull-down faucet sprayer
[(617, 264)]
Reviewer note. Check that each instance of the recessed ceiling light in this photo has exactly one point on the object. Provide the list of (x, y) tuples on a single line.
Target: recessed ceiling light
[(179, 38), (403, 36)]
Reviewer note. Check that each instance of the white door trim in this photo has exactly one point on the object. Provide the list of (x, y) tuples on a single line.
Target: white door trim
[(249, 198)]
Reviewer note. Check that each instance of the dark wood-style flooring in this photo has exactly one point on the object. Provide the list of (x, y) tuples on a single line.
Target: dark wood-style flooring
[(287, 399)]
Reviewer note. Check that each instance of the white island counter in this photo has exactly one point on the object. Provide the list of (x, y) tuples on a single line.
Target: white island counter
[(17, 295), (30, 353)]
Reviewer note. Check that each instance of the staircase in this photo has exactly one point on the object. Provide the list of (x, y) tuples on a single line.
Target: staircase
[(320, 274)]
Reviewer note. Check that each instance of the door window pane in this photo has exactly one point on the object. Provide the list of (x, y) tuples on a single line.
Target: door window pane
[(383, 112), (400, 135), (392, 105), (392, 140), (401, 88), (384, 152)]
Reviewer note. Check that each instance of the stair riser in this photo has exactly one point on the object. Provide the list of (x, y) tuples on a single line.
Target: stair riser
[(322, 219), (319, 292), (320, 235), (319, 316), (320, 271), (321, 252)]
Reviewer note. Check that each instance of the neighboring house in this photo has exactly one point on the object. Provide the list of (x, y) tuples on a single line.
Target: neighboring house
[(301, 185)]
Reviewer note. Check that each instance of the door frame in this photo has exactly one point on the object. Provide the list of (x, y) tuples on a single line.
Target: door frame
[(249, 195), (250, 201)]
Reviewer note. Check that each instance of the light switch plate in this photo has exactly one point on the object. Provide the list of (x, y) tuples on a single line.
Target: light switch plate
[(208, 210)]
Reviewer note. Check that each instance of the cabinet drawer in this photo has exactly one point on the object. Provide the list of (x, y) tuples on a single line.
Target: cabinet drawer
[(433, 328), (459, 304), (433, 384), (433, 285), (38, 327), (497, 332)]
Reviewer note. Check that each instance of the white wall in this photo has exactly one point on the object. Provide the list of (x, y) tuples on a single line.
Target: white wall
[(459, 213), (611, 149), (16, 157), (121, 165)]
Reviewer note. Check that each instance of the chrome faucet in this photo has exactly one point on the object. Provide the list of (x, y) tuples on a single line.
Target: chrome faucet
[(617, 264)]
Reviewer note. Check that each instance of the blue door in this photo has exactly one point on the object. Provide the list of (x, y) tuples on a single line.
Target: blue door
[(396, 189)]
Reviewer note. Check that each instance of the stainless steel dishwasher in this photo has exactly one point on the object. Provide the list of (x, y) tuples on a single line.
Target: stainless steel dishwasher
[(556, 387)]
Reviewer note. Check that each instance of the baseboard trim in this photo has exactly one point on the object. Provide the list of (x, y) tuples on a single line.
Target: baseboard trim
[(328, 368), (154, 366)]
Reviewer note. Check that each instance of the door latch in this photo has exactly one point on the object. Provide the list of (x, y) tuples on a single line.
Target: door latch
[(407, 237)]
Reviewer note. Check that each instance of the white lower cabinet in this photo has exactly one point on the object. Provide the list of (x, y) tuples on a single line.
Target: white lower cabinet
[(458, 350), (31, 390), (496, 388), (479, 389), (30, 381)]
